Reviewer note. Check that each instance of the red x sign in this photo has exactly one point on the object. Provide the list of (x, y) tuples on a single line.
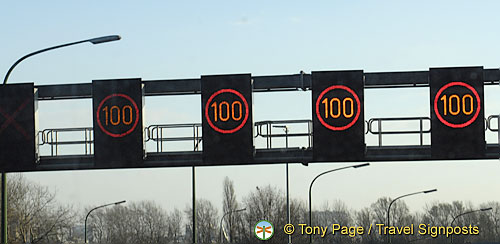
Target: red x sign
[(10, 119)]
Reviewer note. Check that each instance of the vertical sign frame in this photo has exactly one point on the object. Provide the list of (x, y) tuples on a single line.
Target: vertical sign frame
[(118, 123), (457, 113), (18, 127), (227, 119), (338, 116)]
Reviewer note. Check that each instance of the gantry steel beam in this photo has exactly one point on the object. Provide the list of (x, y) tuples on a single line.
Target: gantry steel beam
[(262, 156), (301, 81)]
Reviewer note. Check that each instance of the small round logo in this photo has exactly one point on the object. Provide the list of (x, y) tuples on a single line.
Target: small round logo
[(264, 230)]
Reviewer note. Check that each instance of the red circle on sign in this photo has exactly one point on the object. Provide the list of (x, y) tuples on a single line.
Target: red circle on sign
[(136, 115), (210, 121), (338, 128), (457, 83)]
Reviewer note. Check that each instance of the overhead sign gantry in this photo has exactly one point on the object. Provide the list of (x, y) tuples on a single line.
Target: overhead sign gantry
[(337, 113)]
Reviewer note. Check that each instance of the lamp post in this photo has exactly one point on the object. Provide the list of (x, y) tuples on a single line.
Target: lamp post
[(469, 212), (234, 211), (312, 182), (97, 40), (102, 206), (397, 198)]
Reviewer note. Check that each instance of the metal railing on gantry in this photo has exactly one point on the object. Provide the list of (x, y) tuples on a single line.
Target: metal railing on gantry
[(157, 136)]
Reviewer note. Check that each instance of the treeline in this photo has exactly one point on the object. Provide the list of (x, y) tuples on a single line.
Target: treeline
[(35, 217)]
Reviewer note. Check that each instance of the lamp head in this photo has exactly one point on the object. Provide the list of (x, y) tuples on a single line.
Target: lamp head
[(103, 39), (361, 165)]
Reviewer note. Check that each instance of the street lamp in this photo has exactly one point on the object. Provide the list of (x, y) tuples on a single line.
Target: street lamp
[(312, 182), (397, 198), (102, 206), (97, 40), (234, 211), (462, 214)]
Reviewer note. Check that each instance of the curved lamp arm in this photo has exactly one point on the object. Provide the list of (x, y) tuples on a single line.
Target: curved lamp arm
[(315, 178), (397, 198), (97, 40), (234, 211), (102, 206)]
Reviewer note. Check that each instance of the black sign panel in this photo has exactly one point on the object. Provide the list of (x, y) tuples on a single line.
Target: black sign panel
[(457, 113), (118, 127), (227, 119), (338, 116), (18, 128)]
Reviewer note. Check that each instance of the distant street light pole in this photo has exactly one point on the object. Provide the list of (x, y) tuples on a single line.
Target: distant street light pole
[(97, 40), (234, 211), (397, 198), (312, 182), (102, 206), (462, 214)]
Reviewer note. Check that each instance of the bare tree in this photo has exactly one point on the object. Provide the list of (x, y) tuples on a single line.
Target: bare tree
[(206, 222), (268, 203), (174, 226), (142, 222), (229, 206), (334, 213), (34, 215), (298, 215), (365, 218), (399, 215), (379, 210), (442, 214), (490, 221)]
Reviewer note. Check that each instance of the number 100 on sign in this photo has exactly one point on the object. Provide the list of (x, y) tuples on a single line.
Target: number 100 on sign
[(338, 107), (226, 111), (457, 104), (117, 115)]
